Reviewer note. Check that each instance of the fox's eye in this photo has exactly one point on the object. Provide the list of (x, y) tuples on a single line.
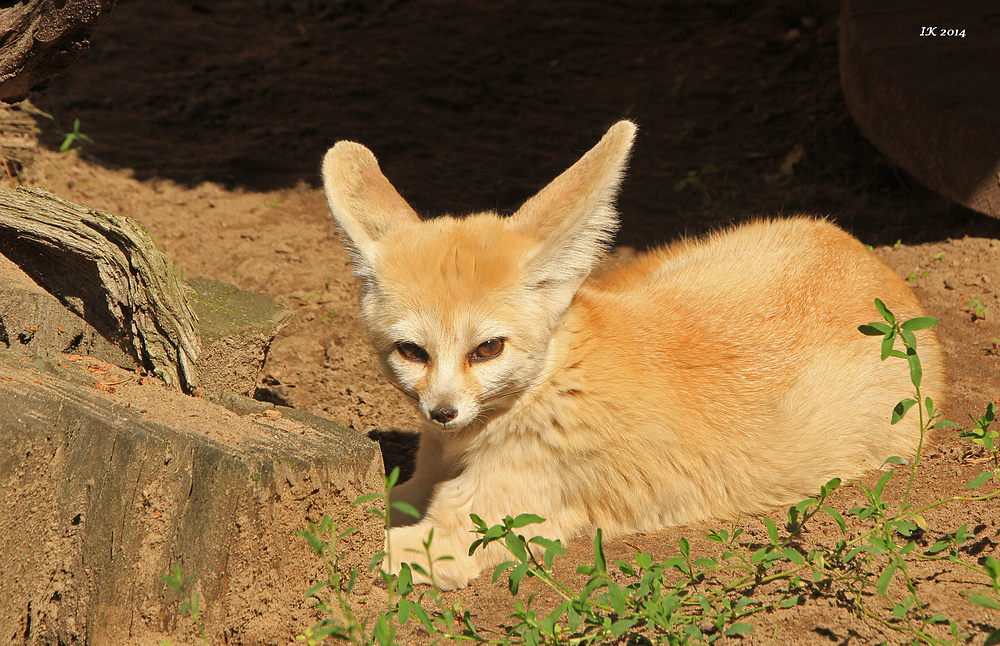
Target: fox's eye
[(412, 352), (487, 350)]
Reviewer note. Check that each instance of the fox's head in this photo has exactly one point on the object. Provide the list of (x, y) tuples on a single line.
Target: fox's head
[(462, 311)]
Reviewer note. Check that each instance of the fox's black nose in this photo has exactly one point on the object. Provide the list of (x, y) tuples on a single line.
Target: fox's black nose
[(444, 414)]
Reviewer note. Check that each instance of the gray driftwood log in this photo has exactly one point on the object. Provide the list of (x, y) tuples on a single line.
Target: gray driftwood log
[(106, 269)]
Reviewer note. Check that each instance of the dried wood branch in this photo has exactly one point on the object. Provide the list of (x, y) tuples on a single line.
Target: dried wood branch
[(105, 268)]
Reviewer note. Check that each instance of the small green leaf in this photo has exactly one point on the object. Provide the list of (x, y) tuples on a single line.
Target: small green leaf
[(376, 560), (992, 567), (516, 575), (794, 556), (882, 482), (406, 508), (919, 323), (524, 520), (790, 602), (916, 372), (979, 480), (900, 410), (886, 578), (772, 530), (404, 581), (515, 544), (900, 609), (837, 517), (600, 563), (360, 500), (887, 344), (500, 569), (493, 533), (311, 592), (884, 311), (622, 626), (422, 615), (392, 479), (739, 628), (315, 542), (381, 631), (874, 329), (404, 606), (616, 597), (983, 601)]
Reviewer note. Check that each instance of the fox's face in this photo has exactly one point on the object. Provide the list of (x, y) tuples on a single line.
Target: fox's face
[(452, 320), (462, 310)]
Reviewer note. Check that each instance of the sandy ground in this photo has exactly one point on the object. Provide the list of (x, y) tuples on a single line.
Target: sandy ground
[(208, 122)]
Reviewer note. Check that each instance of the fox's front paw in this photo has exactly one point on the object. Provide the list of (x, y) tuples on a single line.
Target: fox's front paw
[(452, 566)]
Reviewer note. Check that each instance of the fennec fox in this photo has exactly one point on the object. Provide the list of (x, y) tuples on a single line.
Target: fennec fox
[(706, 379)]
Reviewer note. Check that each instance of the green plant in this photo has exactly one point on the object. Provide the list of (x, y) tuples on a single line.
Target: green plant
[(714, 198), (74, 140), (688, 599), (332, 595), (985, 437), (190, 601), (697, 181), (978, 309)]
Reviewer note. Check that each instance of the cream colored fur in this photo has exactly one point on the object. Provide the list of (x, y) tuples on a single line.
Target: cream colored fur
[(706, 379)]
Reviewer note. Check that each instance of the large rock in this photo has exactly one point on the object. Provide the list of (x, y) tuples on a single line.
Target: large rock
[(923, 85), (108, 478)]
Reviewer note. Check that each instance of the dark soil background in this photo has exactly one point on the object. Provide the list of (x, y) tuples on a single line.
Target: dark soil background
[(209, 119)]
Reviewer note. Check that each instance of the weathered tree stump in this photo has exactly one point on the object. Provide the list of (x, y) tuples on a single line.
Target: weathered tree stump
[(102, 493), (108, 478), (107, 269), (38, 38)]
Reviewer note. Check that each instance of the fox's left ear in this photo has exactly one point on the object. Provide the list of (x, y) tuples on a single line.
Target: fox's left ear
[(574, 216), (363, 202)]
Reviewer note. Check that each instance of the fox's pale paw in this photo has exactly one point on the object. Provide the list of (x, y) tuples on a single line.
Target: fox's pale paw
[(406, 545)]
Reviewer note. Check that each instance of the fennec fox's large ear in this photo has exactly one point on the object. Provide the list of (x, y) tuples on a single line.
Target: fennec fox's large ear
[(574, 216), (363, 202)]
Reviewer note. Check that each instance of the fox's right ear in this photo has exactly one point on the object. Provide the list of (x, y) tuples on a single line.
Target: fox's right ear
[(363, 202)]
